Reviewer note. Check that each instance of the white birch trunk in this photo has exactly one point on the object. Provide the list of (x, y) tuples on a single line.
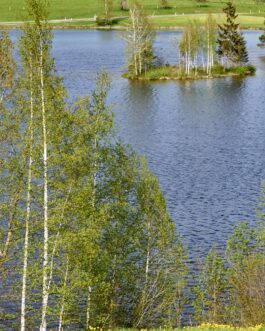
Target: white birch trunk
[(88, 307), (45, 293), (26, 243), (147, 267), (60, 327), (55, 244), (94, 180)]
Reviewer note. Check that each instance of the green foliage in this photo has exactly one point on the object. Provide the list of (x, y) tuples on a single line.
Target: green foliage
[(234, 70), (163, 274), (112, 256), (210, 290), (246, 263), (7, 64), (241, 244)]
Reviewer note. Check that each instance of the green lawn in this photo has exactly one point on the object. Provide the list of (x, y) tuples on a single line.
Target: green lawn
[(246, 21), (252, 12)]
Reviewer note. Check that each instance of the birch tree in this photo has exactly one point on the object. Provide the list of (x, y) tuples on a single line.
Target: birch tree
[(211, 290), (27, 57), (107, 12), (139, 38), (163, 260), (47, 115), (197, 43), (11, 150), (70, 186), (211, 36)]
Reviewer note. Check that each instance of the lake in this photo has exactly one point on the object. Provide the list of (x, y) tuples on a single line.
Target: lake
[(205, 140)]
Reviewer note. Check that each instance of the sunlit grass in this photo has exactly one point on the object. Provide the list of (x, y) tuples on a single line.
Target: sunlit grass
[(246, 21), (13, 10)]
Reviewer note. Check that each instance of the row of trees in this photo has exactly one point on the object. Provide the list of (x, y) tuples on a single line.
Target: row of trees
[(85, 237), (197, 46), (201, 46)]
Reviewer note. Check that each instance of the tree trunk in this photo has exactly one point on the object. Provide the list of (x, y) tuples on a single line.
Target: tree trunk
[(26, 243), (45, 293), (60, 328), (88, 307)]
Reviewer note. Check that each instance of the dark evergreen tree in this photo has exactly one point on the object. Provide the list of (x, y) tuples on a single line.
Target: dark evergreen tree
[(231, 43), (262, 38)]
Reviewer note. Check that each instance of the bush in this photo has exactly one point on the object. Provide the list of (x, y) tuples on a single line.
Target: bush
[(242, 70), (157, 73), (102, 21)]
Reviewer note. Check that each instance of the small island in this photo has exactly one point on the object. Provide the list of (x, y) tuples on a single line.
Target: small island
[(206, 50), (172, 72)]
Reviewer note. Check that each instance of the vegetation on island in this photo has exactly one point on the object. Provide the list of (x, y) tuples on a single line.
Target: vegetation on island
[(86, 241), (204, 50)]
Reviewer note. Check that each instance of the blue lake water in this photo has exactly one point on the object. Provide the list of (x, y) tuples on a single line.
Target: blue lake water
[(205, 140)]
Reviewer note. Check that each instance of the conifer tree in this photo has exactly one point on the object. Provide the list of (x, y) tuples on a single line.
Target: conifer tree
[(231, 43), (262, 39)]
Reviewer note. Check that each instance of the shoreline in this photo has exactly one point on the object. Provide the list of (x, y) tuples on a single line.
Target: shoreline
[(11, 26), (173, 74)]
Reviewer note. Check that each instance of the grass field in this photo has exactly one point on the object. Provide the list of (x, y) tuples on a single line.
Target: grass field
[(251, 12), (246, 21)]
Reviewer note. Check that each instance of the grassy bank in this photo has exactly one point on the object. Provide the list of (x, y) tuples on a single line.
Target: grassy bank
[(251, 13), (177, 73), (169, 22), (246, 21)]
